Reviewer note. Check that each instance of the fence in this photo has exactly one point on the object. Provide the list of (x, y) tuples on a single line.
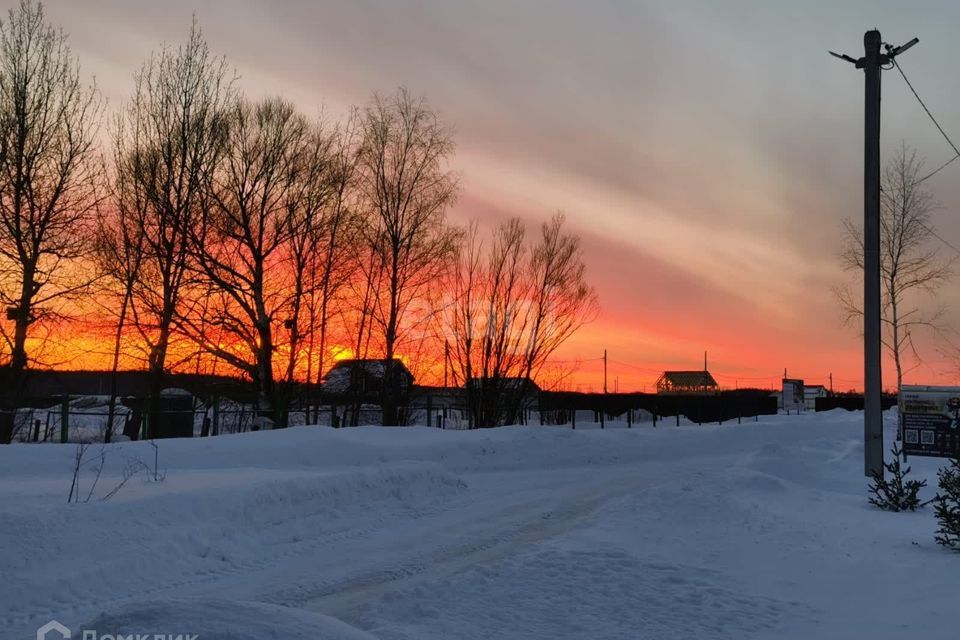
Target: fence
[(851, 403), (701, 409), (86, 418), (65, 422)]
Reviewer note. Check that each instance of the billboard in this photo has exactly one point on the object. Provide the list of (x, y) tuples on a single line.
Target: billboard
[(930, 420), (792, 394)]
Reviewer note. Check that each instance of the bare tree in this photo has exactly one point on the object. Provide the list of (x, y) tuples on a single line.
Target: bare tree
[(242, 242), (339, 242), (308, 199), (119, 250), (324, 248), (48, 164), (489, 317), (407, 188), (168, 138), (910, 262), (513, 306), (562, 299)]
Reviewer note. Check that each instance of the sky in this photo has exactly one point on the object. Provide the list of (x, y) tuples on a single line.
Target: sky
[(705, 152)]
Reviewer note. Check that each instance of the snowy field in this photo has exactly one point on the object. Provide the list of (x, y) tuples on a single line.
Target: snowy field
[(759, 530)]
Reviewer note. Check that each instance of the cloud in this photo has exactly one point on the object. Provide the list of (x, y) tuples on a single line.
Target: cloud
[(713, 147)]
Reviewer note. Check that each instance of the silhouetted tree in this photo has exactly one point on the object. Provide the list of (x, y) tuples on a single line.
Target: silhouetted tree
[(118, 247), (48, 165), (240, 244), (406, 188), (513, 306), (340, 240), (169, 137)]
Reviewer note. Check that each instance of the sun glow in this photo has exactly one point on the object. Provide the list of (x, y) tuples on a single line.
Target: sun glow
[(340, 352)]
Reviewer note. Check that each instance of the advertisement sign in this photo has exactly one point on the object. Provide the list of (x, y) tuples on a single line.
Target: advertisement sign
[(792, 394), (930, 420)]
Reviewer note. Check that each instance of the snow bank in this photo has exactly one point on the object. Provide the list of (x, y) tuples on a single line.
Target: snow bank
[(758, 530), (195, 527)]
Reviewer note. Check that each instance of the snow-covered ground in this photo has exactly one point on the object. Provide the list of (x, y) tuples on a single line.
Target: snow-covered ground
[(759, 530)]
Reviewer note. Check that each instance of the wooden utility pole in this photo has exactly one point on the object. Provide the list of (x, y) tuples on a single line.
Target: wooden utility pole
[(604, 371), (872, 415), (871, 63)]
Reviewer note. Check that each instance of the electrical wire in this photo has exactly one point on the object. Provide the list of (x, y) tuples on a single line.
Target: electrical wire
[(938, 237), (956, 151)]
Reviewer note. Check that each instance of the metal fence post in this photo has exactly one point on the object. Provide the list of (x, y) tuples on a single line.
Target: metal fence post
[(65, 420), (216, 416)]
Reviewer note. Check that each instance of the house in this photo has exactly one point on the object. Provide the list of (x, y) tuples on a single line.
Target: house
[(364, 378), (686, 382), (810, 394)]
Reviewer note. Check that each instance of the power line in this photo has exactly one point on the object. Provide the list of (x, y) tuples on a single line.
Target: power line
[(937, 170), (956, 151), (937, 236)]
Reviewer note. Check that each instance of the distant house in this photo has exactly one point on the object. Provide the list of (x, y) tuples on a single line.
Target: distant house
[(364, 378), (686, 382), (810, 394)]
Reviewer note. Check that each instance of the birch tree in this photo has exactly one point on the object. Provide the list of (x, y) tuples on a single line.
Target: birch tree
[(911, 267), (407, 188)]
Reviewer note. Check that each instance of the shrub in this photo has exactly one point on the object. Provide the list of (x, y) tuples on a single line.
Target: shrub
[(898, 493), (947, 505)]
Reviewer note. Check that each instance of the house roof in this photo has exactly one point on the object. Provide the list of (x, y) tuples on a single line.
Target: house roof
[(373, 366), (689, 378), (344, 374)]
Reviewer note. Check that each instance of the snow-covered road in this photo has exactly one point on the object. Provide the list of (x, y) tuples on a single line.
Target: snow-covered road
[(755, 530)]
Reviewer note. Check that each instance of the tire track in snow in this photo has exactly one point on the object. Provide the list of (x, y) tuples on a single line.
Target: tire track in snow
[(489, 537)]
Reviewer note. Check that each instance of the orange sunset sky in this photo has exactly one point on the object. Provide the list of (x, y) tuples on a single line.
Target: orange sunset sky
[(706, 152)]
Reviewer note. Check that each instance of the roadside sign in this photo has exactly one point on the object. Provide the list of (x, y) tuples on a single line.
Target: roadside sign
[(930, 420)]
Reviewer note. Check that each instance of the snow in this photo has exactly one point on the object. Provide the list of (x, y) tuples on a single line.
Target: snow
[(759, 530), (224, 620)]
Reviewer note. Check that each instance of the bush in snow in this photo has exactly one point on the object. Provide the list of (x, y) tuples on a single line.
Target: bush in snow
[(947, 505), (898, 493)]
